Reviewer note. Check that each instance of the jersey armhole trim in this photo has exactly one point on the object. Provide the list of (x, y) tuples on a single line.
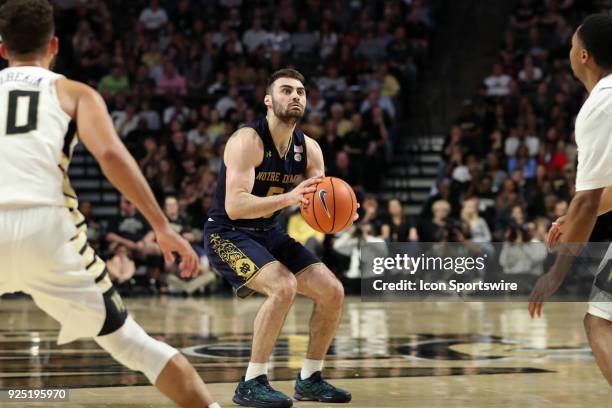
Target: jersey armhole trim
[(54, 94)]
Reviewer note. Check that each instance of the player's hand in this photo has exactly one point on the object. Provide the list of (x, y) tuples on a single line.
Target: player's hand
[(546, 285), (170, 242), (554, 234), (296, 196)]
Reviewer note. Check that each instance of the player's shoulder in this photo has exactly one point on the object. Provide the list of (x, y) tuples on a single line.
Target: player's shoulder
[(244, 138), (71, 93), (246, 144), (311, 143), (74, 87)]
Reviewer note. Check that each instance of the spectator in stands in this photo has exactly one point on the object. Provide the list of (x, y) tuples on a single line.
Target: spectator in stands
[(129, 228), (356, 143), (375, 98), (298, 229), (400, 52), (349, 243), (493, 169), (177, 220), (150, 115), (435, 229), (255, 37), (176, 112), (328, 41), (396, 226), (498, 83), (121, 269), (199, 134), (126, 121), (522, 260), (479, 230), (519, 137), (303, 41), (171, 82), (332, 84), (523, 162), (278, 39), (115, 82), (153, 17), (342, 124)]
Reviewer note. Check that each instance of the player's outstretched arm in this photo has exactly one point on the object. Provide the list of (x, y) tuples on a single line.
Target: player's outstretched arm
[(96, 130), (243, 153)]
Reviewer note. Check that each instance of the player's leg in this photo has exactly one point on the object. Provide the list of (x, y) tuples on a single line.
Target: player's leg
[(599, 333), (163, 365), (244, 262), (317, 282), (279, 286), (598, 320), (83, 300)]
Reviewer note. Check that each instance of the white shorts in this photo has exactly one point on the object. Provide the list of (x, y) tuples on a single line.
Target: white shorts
[(44, 253), (600, 301)]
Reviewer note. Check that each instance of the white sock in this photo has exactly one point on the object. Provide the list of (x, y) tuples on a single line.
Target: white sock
[(214, 405), (255, 370), (310, 367)]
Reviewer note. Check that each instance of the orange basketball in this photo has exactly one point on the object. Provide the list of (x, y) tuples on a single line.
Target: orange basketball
[(332, 207)]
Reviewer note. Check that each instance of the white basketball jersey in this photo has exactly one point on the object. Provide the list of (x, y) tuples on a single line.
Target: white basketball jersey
[(36, 140)]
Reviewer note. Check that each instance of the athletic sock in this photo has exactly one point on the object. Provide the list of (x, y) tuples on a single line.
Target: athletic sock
[(310, 367), (255, 370)]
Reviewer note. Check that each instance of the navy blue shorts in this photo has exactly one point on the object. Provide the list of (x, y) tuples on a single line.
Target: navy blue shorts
[(239, 254)]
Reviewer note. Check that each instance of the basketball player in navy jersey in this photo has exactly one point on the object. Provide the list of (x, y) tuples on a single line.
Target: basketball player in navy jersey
[(261, 164)]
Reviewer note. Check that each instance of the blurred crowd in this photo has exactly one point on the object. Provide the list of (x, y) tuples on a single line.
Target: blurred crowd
[(179, 77), (509, 161)]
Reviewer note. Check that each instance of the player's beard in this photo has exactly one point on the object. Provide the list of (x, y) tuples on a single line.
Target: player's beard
[(285, 114)]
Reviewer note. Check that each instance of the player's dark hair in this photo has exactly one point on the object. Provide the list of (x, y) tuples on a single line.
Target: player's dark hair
[(595, 32), (284, 73), (26, 26)]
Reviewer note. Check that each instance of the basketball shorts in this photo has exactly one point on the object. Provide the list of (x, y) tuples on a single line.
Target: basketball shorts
[(600, 301), (240, 254), (44, 253)]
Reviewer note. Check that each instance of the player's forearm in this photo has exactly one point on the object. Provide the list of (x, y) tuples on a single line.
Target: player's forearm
[(605, 203), (248, 206), (580, 220), (123, 172)]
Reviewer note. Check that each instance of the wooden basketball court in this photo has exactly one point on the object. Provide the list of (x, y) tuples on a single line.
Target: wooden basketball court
[(386, 354)]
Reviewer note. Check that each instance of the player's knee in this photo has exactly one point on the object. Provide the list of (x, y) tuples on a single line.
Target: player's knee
[(329, 291), (285, 289), (131, 346), (335, 293)]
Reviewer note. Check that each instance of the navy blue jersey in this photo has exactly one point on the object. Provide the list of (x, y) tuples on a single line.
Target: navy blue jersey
[(275, 175)]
